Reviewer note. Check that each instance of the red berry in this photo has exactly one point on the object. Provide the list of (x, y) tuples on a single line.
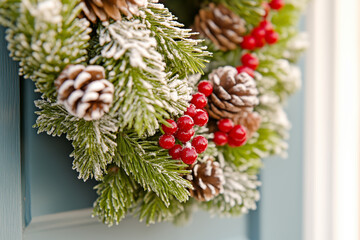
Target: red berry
[(185, 123), (201, 118), (277, 4), (200, 143), (250, 61), (249, 43), (271, 37), (185, 136), (167, 141), (247, 70), (205, 87), (236, 143), (220, 138), (265, 24), (260, 43), (258, 32), (175, 152), (189, 155), (191, 110), (266, 7), (237, 133), (225, 125), (199, 100), (170, 130)]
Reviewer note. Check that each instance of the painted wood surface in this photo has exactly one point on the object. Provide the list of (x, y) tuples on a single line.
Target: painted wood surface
[(10, 167), (78, 225)]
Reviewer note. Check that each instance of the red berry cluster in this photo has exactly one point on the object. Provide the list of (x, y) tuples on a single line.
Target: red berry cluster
[(263, 34), (235, 136), (183, 128)]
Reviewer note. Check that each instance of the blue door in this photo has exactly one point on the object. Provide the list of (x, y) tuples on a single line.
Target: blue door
[(41, 197)]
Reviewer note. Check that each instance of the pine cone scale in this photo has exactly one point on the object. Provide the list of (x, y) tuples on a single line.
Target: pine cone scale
[(233, 93), (111, 9), (223, 27), (207, 179), (84, 92)]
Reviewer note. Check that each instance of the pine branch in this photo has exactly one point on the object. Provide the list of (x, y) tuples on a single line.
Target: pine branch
[(9, 12), (93, 141), (152, 167), (183, 55), (144, 94), (47, 37), (117, 194), (152, 209)]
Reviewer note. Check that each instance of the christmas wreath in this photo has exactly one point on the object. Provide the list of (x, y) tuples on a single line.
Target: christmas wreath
[(164, 118)]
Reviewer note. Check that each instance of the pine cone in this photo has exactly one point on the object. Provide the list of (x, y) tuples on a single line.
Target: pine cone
[(207, 179), (223, 27), (105, 9), (84, 91), (233, 93), (250, 120)]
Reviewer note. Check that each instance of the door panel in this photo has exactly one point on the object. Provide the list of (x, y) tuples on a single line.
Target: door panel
[(10, 168)]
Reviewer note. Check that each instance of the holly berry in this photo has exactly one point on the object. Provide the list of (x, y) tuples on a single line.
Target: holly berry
[(236, 143), (225, 125), (205, 87), (247, 70), (271, 37), (199, 100), (167, 141), (220, 138), (201, 118), (258, 32), (265, 24), (277, 4), (185, 123), (200, 143), (237, 133), (170, 130), (260, 42), (175, 151), (189, 155), (191, 110), (185, 136), (249, 43), (250, 61)]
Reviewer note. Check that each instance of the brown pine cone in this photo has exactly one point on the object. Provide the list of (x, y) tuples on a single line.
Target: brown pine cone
[(207, 179), (106, 9), (250, 120), (223, 27), (84, 91), (233, 93)]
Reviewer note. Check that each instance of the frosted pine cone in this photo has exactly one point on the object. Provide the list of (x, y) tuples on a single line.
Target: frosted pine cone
[(250, 120), (106, 9), (223, 27), (84, 91), (233, 93), (207, 179)]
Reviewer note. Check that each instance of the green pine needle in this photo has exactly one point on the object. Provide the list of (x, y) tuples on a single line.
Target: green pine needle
[(152, 167), (117, 194), (93, 141), (183, 55)]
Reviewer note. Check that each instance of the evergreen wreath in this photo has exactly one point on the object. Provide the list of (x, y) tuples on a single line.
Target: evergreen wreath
[(122, 80)]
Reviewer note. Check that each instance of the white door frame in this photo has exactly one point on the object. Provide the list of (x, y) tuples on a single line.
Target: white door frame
[(332, 103)]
